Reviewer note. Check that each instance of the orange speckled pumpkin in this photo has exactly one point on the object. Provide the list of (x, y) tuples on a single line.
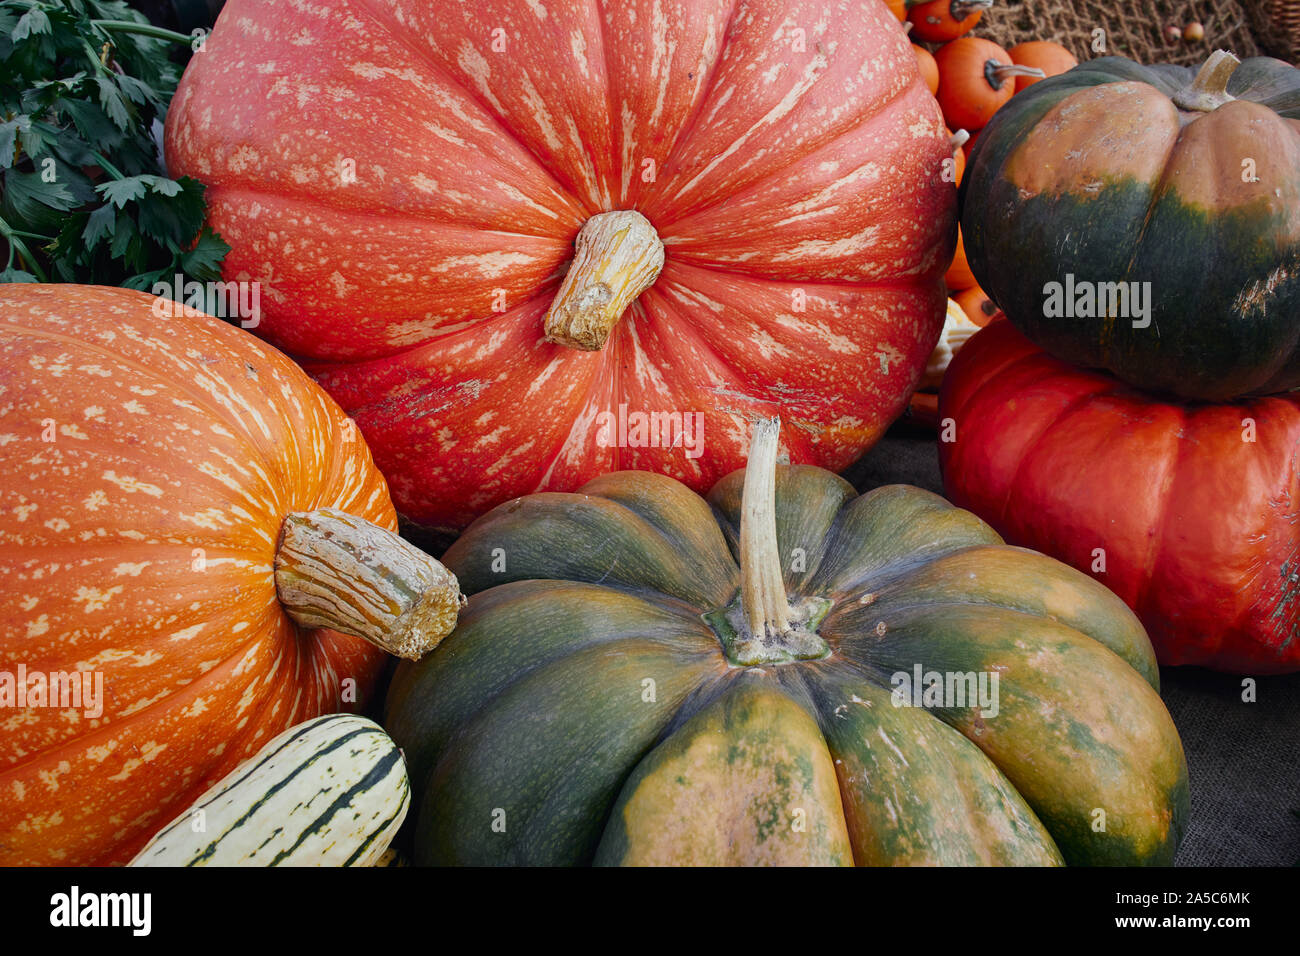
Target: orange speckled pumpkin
[(757, 186), (147, 466)]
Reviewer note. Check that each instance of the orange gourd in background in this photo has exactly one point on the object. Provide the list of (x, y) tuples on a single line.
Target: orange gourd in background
[(975, 78), (939, 21), (1052, 58)]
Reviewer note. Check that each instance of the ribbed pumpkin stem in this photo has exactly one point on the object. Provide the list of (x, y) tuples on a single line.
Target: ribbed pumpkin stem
[(336, 570), (1209, 90), (616, 257), (762, 592), (961, 9), (763, 628)]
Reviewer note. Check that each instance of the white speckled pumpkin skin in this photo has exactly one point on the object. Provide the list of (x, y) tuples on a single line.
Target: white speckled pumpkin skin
[(138, 544), (406, 180)]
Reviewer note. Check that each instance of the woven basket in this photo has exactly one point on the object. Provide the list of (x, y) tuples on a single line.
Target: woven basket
[(1135, 28), (1277, 24)]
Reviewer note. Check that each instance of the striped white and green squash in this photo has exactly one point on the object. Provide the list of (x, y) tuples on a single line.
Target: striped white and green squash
[(328, 792)]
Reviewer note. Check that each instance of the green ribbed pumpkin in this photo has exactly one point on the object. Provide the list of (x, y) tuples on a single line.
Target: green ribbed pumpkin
[(1116, 173), (646, 677)]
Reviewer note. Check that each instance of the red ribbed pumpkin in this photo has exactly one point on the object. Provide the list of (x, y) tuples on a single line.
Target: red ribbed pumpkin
[(1191, 514), (407, 181), (150, 470)]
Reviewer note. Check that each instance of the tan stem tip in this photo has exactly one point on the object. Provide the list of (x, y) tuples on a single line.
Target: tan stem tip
[(336, 570), (1209, 90), (616, 256)]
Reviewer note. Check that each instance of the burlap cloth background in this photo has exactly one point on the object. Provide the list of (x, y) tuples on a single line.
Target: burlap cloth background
[(1243, 759), (1135, 28)]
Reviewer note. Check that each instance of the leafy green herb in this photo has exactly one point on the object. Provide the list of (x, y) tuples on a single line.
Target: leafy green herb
[(84, 193)]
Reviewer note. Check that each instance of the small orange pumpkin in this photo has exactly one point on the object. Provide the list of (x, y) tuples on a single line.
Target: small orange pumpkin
[(1052, 58), (975, 78), (979, 308), (929, 68), (939, 21), (959, 275)]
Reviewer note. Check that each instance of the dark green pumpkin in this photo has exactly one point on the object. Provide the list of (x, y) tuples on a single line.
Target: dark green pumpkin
[(601, 699), (1098, 175)]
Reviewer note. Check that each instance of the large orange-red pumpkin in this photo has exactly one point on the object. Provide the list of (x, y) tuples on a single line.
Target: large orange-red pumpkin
[(1190, 513), (146, 467), (407, 180)]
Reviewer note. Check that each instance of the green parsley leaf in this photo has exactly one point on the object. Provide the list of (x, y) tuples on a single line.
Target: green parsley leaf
[(84, 194)]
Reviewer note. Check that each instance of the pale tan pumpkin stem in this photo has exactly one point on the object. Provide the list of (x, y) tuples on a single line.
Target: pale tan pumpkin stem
[(959, 139), (336, 570), (961, 9), (616, 257), (998, 73), (1209, 90), (762, 592)]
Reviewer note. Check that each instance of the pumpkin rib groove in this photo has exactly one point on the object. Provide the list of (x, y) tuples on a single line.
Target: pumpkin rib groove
[(1158, 191), (1075, 405), (406, 683), (1163, 523), (952, 743), (615, 199), (811, 156), (687, 328), (885, 577), (685, 260), (1235, 626), (616, 366), (247, 740), (318, 368), (850, 667), (697, 108), (381, 217), (471, 753), (831, 581), (473, 95), (984, 383)]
